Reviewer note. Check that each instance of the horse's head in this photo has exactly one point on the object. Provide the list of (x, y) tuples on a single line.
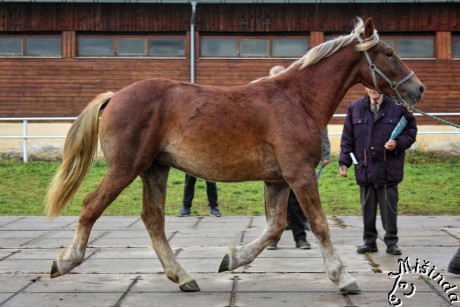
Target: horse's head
[(382, 70)]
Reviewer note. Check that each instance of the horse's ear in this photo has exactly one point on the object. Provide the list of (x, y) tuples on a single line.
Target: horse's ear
[(369, 28)]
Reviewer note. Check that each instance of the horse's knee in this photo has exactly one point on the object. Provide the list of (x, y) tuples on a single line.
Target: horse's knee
[(275, 232)]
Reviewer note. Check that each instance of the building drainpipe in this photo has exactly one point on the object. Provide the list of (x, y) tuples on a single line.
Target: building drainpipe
[(192, 43)]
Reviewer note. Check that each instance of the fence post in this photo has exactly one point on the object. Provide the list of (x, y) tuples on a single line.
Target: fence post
[(24, 141)]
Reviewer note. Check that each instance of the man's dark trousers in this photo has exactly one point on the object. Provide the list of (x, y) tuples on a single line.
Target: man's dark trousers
[(296, 218), (387, 198), (189, 191)]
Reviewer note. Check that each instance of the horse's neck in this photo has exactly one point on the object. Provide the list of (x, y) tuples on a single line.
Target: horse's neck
[(324, 84)]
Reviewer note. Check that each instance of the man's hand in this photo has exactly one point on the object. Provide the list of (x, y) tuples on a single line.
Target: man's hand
[(390, 145), (325, 162), (343, 171)]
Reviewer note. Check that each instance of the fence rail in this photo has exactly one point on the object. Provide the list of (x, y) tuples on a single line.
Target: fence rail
[(25, 123)]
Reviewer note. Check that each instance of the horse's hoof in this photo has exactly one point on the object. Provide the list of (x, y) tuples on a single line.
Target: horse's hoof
[(225, 264), (190, 286), (54, 270), (352, 288)]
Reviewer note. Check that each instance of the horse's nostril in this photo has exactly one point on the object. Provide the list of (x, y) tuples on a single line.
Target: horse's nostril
[(422, 89)]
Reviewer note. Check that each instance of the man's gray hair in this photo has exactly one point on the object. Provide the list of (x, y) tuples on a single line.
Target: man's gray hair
[(276, 70)]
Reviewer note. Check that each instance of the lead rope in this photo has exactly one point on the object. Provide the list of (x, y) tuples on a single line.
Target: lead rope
[(436, 118)]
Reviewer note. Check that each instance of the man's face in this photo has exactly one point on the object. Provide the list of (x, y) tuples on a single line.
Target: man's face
[(373, 94)]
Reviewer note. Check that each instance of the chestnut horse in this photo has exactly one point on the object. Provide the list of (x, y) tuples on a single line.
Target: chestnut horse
[(268, 130)]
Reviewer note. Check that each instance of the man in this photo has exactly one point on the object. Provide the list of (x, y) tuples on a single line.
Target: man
[(380, 162), (189, 194)]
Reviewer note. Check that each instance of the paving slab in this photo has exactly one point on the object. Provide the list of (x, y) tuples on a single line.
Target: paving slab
[(124, 253), (24, 266), (208, 282), (177, 299), (63, 299), (121, 268), (81, 283), (272, 298)]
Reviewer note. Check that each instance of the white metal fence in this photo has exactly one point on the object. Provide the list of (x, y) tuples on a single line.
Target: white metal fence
[(26, 136), (25, 131)]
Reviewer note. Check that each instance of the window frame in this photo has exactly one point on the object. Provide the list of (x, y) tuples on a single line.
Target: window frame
[(239, 38), (397, 36), (455, 36), (120, 36), (23, 37), (394, 36)]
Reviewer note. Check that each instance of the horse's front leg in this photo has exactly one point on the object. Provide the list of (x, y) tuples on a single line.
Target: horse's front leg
[(153, 215), (276, 198), (306, 190)]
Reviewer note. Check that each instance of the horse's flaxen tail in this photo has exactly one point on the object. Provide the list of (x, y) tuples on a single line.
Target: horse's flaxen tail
[(79, 151)]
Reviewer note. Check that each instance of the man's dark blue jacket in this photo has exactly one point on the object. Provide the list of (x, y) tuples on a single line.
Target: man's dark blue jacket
[(366, 138)]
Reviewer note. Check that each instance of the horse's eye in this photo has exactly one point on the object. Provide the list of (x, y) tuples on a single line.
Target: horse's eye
[(390, 53)]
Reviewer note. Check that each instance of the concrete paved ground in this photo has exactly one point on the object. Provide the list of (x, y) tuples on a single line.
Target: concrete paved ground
[(120, 268)]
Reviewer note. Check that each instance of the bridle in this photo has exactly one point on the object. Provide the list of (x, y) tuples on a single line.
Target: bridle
[(393, 84)]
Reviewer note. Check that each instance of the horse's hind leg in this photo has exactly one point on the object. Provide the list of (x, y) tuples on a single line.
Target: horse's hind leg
[(93, 206), (306, 190), (276, 197), (153, 215)]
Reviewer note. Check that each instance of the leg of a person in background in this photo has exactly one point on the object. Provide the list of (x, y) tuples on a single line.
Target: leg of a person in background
[(388, 201), (189, 193), (211, 190), (369, 209), (296, 220)]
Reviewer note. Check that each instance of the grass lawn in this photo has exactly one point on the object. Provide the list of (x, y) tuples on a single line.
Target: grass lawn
[(431, 187)]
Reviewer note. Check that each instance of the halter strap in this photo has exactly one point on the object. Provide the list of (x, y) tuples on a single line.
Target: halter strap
[(393, 84)]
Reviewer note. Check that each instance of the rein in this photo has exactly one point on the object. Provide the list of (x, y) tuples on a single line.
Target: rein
[(446, 122), (393, 84)]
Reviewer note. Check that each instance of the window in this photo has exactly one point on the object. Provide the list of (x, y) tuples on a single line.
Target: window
[(456, 46), (11, 46), (260, 47), (130, 46), (289, 47), (167, 46), (96, 46), (254, 47), (411, 46), (30, 46), (219, 47)]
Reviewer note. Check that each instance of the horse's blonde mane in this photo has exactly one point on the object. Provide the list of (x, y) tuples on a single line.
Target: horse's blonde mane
[(330, 47)]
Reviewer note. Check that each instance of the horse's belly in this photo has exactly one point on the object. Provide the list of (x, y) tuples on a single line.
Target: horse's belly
[(224, 168)]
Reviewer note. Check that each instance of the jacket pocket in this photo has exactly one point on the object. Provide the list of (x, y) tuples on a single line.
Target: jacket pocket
[(388, 125), (360, 129)]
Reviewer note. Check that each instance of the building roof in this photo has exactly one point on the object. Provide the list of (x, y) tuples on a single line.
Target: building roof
[(231, 1)]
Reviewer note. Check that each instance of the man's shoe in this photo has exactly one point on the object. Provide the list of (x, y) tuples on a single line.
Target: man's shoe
[(393, 249), (367, 249), (214, 212), (302, 244), (273, 246), (454, 264), (185, 212)]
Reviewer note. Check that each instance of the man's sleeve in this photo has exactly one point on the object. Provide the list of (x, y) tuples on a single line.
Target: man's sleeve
[(347, 141), (409, 134), (326, 149)]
